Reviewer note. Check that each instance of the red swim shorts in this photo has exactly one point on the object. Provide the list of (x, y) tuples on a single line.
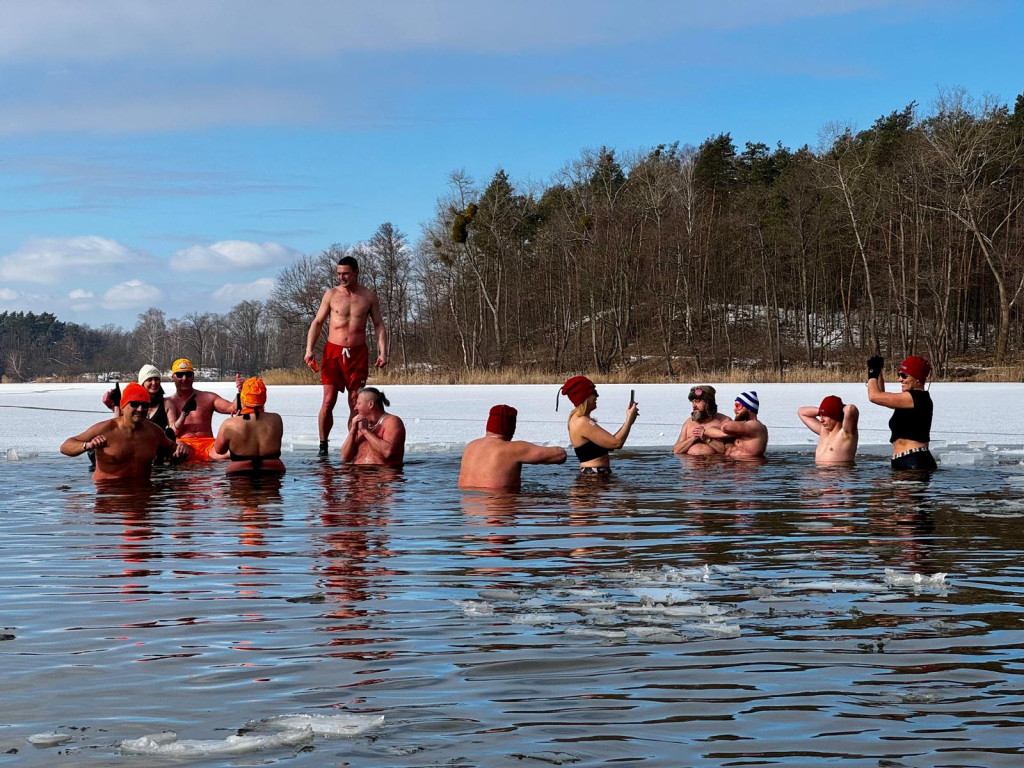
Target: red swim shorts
[(345, 367)]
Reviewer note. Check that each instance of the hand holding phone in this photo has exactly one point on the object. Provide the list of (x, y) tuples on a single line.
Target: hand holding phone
[(632, 396)]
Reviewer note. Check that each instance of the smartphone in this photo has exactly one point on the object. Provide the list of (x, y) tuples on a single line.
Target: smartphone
[(632, 396)]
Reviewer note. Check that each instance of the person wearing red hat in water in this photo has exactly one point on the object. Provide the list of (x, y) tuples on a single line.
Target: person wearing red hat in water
[(911, 420), (591, 442), (495, 461), (126, 445), (836, 428)]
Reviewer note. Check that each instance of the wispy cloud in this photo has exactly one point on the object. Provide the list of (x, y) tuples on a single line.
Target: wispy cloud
[(231, 293), (52, 260), (229, 255), (131, 294)]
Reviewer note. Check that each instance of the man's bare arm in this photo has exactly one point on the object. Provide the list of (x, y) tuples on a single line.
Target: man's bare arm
[(531, 453), (382, 332), (317, 325), (809, 416)]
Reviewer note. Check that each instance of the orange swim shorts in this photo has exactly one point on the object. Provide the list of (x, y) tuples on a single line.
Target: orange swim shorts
[(201, 447), (345, 367)]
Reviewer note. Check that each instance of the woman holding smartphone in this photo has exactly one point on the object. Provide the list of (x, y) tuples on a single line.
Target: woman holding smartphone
[(591, 442)]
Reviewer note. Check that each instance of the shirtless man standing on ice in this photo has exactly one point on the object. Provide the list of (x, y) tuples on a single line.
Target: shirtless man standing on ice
[(836, 427), (345, 363), (749, 437)]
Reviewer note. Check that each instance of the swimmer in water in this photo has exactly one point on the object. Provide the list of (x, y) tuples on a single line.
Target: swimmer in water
[(748, 437), (911, 420), (836, 427), (495, 461), (374, 436), (125, 445), (190, 412), (692, 441), (252, 438), (593, 443)]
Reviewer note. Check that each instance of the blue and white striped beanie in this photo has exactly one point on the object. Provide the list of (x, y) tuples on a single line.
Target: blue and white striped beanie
[(748, 400)]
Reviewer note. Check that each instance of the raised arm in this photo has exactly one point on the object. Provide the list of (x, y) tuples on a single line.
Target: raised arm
[(878, 395), (809, 416), (851, 418), (602, 437)]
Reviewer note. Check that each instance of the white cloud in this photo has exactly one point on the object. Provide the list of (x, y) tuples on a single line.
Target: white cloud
[(232, 293), (6, 294), (51, 260), (228, 255), (80, 293), (131, 294)]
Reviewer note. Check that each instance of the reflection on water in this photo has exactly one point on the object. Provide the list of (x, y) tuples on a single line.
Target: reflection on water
[(734, 613)]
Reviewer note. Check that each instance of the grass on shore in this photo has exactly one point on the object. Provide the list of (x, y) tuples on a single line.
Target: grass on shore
[(737, 375)]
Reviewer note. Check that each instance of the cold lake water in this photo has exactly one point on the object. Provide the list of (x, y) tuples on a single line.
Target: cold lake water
[(681, 613)]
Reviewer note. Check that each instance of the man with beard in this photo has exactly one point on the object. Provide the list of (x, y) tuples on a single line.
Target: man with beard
[(692, 439), (746, 437)]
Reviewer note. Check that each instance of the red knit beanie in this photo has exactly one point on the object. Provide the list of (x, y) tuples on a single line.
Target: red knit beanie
[(578, 389), (832, 407), (502, 421), (917, 367)]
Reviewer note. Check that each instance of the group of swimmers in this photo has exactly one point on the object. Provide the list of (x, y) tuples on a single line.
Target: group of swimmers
[(148, 426)]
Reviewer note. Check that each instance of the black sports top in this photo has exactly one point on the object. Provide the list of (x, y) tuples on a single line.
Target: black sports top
[(590, 451), (913, 423), (254, 459)]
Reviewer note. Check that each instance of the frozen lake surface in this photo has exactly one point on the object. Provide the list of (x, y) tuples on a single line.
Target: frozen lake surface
[(968, 417), (682, 612)]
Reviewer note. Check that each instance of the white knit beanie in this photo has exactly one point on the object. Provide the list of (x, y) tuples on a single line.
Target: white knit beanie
[(148, 372)]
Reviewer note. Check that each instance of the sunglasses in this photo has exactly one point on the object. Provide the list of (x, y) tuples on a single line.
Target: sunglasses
[(185, 375), (135, 404), (902, 375)]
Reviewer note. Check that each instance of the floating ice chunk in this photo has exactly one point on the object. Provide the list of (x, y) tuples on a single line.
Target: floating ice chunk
[(474, 608), (665, 596), (715, 628), (701, 609), (914, 579), (539, 618), (673, 574), (727, 570), (976, 443), (780, 599), (330, 726), (839, 585), (591, 606), (15, 454), (535, 602), (959, 459), (607, 634), (53, 739), (167, 743), (583, 593), (655, 634), (498, 594)]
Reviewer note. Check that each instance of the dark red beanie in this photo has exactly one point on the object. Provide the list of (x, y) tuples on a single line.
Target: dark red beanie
[(578, 389), (502, 421), (832, 407)]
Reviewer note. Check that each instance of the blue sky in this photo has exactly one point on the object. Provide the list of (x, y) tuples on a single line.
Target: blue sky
[(178, 155)]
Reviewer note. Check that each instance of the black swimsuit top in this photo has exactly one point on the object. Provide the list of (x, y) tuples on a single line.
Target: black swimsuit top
[(256, 460), (590, 451), (913, 423)]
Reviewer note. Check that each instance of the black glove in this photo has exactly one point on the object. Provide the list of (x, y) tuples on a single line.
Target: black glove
[(116, 393), (875, 365), (190, 405)]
